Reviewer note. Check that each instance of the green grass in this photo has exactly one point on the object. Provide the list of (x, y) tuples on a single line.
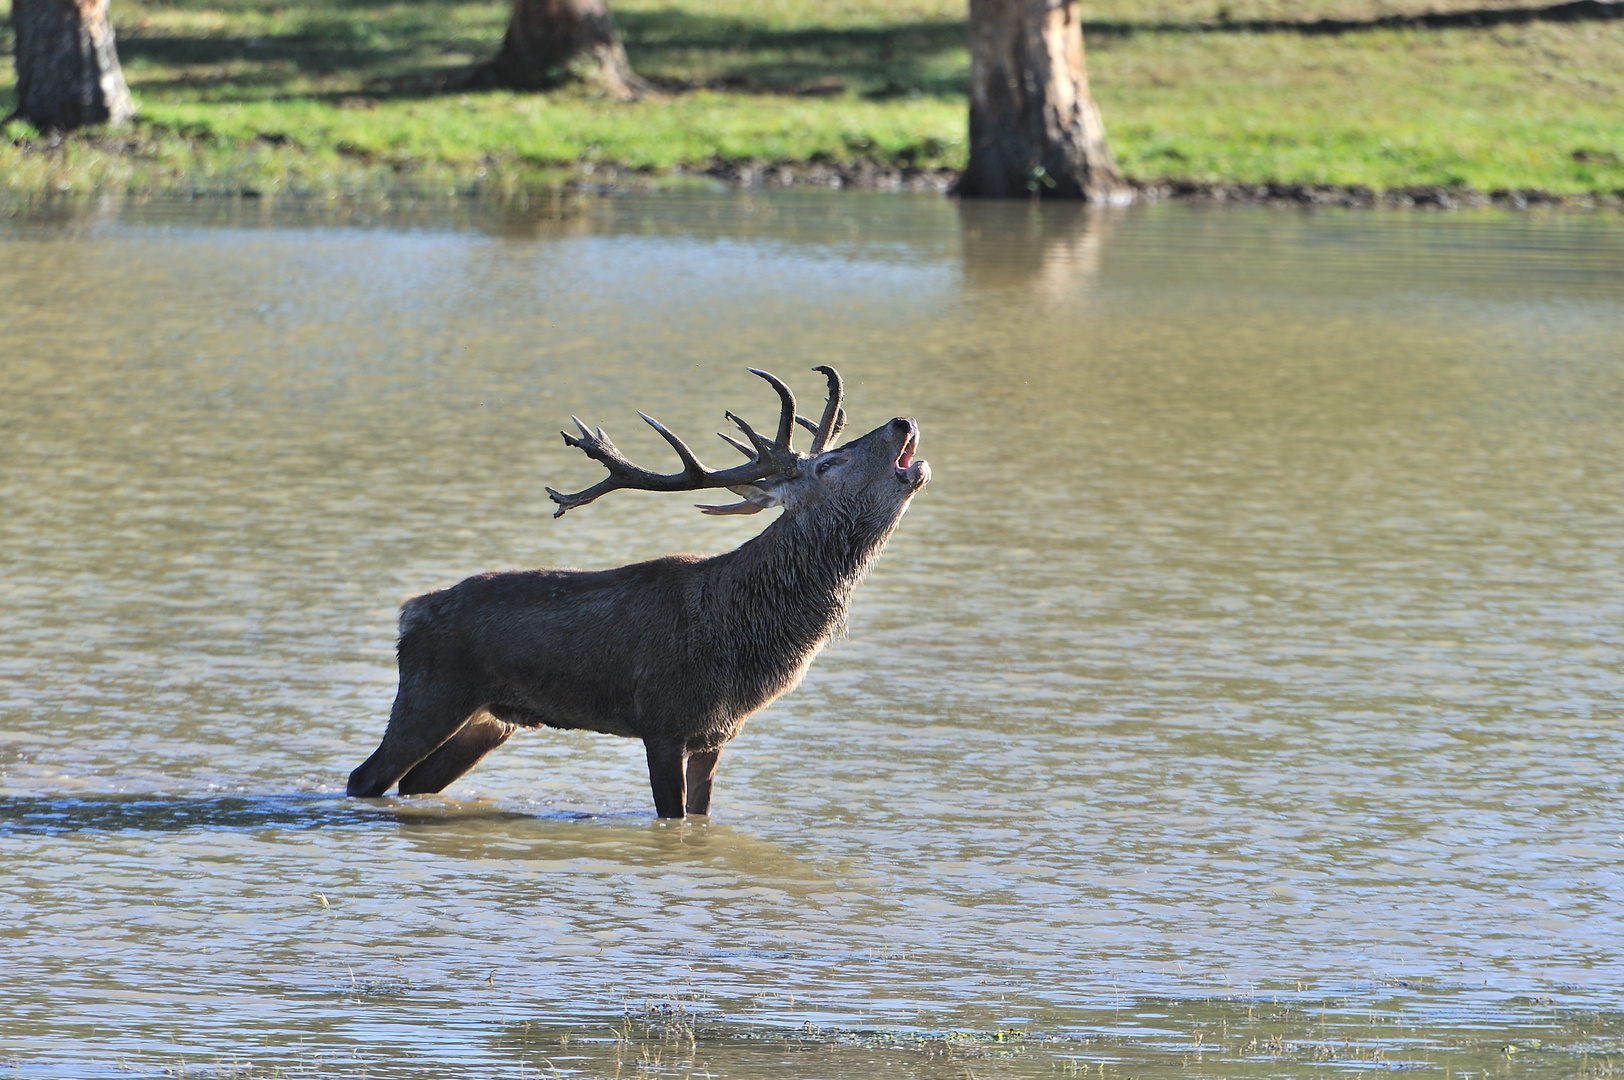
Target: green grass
[(345, 94)]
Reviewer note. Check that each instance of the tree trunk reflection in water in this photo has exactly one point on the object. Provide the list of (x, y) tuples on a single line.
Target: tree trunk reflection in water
[(67, 67), (1048, 250), (1034, 129)]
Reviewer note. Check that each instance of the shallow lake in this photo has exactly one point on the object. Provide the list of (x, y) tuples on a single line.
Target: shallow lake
[(1242, 698)]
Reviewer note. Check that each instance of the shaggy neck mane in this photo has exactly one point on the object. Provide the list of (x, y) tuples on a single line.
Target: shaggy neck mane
[(790, 585)]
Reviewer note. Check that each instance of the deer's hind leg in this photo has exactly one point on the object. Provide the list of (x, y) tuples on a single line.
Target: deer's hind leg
[(424, 717), (478, 737)]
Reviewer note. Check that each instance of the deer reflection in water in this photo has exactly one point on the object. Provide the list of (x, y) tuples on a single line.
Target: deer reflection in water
[(678, 651)]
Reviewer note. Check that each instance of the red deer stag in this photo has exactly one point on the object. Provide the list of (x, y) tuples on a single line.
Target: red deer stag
[(678, 651)]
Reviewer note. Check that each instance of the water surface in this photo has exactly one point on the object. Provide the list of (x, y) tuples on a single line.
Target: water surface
[(1242, 698)]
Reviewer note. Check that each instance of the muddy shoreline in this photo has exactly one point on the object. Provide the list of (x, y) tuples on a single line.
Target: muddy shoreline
[(880, 176)]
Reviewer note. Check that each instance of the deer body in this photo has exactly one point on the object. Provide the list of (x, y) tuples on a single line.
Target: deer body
[(678, 651)]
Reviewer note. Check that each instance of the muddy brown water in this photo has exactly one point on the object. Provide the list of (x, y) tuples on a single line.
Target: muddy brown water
[(1242, 698)]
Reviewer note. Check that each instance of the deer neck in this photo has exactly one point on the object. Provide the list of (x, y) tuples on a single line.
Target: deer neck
[(794, 581)]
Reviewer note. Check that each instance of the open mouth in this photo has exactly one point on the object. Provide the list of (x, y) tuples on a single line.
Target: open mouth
[(905, 458)]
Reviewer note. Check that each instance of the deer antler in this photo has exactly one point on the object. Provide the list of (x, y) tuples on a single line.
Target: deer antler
[(768, 458), (834, 417)]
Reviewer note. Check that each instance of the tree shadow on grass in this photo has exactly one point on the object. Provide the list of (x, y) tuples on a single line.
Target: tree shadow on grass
[(301, 52), (263, 67), (1473, 18), (680, 50), (927, 57)]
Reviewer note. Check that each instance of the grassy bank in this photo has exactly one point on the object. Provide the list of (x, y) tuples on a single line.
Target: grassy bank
[(335, 95)]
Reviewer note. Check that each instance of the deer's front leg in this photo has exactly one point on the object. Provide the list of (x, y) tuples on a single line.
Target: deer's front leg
[(665, 763), (701, 771)]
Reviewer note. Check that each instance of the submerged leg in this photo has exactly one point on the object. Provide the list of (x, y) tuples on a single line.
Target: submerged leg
[(665, 777), (701, 771), (456, 755), (420, 721)]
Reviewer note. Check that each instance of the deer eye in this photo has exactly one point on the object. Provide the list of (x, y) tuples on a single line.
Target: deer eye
[(828, 463)]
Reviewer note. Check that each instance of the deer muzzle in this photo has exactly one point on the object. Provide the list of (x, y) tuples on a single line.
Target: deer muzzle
[(915, 472)]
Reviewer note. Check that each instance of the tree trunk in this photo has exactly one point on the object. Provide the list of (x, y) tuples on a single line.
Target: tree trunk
[(1034, 129), (551, 42), (67, 69)]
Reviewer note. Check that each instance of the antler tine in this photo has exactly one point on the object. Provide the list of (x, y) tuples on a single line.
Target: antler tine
[(786, 417), (763, 447), (689, 462), (834, 417), (809, 425), (730, 508), (580, 498), (598, 446), (737, 445)]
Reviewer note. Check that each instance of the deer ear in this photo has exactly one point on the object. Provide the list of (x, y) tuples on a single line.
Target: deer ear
[(756, 495), (756, 499)]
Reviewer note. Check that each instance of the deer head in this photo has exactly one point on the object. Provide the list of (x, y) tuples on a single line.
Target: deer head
[(877, 473)]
